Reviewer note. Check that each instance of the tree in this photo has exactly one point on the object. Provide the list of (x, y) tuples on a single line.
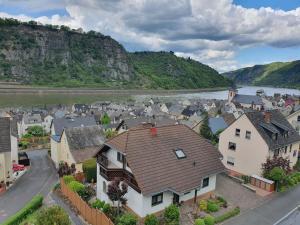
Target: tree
[(52, 215), (271, 163), (64, 169), (116, 191), (110, 133), (105, 119), (36, 131), (277, 174), (205, 131)]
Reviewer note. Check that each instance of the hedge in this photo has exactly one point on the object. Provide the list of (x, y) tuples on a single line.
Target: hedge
[(89, 168), (35, 203), (227, 215), (68, 179), (76, 186)]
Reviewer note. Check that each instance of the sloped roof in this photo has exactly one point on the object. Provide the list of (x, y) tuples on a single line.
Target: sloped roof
[(84, 142), (247, 99), (266, 129), (61, 123), (155, 165), (216, 124), (5, 145)]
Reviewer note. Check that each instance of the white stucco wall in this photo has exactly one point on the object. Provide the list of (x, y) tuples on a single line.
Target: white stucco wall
[(14, 148), (249, 153), (5, 166)]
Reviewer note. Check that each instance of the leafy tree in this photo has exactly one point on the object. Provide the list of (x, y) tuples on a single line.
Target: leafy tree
[(105, 119), (36, 131), (277, 174), (64, 169), (116, 192), (205, 131), (110, 133), (89, 168), (271, 163), (52, 215)]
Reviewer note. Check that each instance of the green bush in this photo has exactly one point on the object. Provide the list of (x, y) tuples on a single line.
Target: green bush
[(52, 215), (76, 186), (56, 186), (203, 205), (151, 220), (98, 204), (36, 131), (106, 208), (35, 203), (209, 220), (171, 215), (89, 168), (68, 179), (127, 219), (87, 193), (199, 222), (227, 215), (212, 207)]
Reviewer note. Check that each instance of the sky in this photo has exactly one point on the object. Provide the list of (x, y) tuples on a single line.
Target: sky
[(225, 34)]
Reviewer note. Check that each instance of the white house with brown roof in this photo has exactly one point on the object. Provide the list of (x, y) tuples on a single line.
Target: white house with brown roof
[(161, 165), (255, 136)]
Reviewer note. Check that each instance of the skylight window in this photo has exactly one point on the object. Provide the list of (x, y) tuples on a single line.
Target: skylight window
[(180, 153)]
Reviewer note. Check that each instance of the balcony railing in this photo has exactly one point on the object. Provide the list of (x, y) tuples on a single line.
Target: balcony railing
[(111, 173)]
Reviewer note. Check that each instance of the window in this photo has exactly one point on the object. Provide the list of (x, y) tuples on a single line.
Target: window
[(232, 146), (120, 157), (291, 148), (248, 134), (285, 149), (205, 182), (276, 152), (274, 136), (104, 187), (180, 154), (237, 132), (230, 161), (298, 118), (186, 193), (157, 199)]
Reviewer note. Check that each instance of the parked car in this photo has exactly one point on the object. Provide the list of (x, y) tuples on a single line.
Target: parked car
[(23, 159), (17, 167)]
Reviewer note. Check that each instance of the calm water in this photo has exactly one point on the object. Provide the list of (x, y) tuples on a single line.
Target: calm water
[(247, 90)]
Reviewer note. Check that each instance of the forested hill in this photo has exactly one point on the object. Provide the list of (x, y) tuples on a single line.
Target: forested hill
[(277, 74), (58, 56)]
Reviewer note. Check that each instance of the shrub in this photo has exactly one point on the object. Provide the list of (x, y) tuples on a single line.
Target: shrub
[(98, 204), (35, 203), (87, 193), (89, 168), (209, 220), (106, 208), (151, 220), (223, 201), (203, 205), (227, 215), (68, 179), (76, 186), (212, 207), (171, 215), (56, 186), (127, 219), (52, 215), (199, 222)]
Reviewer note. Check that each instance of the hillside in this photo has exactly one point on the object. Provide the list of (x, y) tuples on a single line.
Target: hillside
[(58, 56), (277, 74)]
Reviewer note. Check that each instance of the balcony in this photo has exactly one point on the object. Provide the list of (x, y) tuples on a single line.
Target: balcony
[(110, 173)]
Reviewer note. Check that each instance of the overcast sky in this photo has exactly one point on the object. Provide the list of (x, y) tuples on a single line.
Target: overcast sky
[(226, 34)]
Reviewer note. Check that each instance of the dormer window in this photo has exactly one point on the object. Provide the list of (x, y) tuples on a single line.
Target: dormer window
[(120, 157), (180, 153)]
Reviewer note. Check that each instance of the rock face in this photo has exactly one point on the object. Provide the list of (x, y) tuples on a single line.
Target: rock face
[(53, 56), (40, 55)]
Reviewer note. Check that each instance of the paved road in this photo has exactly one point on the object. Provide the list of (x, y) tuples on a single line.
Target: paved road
[(40, 179), (270, 211)]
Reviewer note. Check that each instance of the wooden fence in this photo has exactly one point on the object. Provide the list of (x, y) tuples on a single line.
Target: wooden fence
[(89, 214)]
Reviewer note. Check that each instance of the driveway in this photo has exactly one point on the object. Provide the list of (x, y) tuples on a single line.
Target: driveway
[(40, 179), (270, 211)]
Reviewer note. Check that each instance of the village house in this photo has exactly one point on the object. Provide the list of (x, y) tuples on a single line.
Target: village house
[(245, 101), (29, 120), (57, 127), (251, 139), (161, 165), (8, 148), (78, 144), (294, 120)]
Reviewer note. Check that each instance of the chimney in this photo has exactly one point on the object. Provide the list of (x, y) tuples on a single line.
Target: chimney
[(267, 116), (153, 131)]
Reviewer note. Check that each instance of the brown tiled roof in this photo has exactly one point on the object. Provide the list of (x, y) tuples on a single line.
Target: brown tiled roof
[(154, 163), (229, 118)]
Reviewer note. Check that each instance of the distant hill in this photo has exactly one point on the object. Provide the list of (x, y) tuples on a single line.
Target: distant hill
[(58, 56), (277, 74)]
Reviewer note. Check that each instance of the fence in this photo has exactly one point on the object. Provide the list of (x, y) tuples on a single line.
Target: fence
[(89, 214)]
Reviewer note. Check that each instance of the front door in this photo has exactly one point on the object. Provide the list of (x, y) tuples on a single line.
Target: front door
[(175, 198)]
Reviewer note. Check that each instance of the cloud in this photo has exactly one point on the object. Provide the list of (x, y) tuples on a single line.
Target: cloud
[(211, 31)]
